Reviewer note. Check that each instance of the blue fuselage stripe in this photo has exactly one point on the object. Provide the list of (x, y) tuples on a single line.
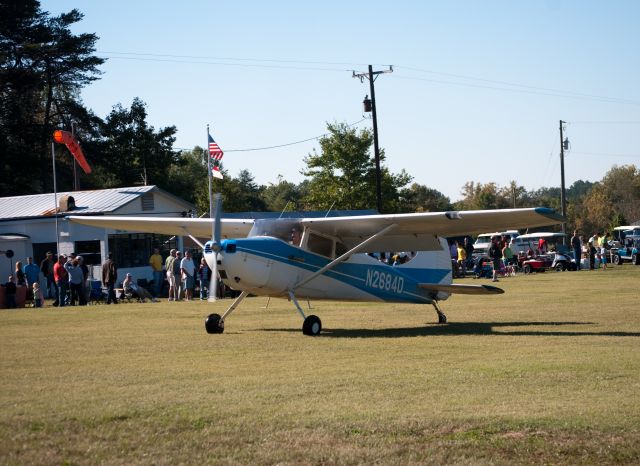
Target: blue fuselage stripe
[(360, 276)]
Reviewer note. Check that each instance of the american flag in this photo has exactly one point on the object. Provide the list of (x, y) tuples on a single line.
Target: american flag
[(216, 157)]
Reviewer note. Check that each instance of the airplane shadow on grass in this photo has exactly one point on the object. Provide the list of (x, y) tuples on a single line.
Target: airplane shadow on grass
[(468, 328)]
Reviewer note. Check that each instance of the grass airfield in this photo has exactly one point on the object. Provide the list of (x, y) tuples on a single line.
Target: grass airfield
[(548, 373)]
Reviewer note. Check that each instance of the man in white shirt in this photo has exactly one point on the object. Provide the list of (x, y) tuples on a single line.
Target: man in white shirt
[(188, 270)]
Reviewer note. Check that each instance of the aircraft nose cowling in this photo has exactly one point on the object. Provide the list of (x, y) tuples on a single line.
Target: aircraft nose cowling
[(244, 264)]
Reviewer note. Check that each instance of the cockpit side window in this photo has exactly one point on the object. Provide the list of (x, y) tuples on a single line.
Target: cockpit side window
[(320, 245)]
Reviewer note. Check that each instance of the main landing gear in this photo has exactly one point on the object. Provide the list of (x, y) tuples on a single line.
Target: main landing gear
[(312, 325)]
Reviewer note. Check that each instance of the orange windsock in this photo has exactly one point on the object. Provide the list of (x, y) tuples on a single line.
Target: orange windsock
[(66, 138)]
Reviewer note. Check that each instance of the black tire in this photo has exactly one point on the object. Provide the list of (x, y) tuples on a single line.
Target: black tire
[(214, 324), (573, 267), (560, 267), (635, 259), (312, 326), (616, 259), (526, 268)]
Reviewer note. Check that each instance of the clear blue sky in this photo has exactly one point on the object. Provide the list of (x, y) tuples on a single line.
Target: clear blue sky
[(477, 93)]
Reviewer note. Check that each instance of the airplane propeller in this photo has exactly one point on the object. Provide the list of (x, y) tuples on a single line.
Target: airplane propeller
[(213, 285)]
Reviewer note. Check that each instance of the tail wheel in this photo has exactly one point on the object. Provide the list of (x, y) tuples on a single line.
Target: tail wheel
[(312, 326), (214, 324)]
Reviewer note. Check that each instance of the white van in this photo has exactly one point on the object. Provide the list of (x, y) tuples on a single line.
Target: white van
[(483, 241), (523, 243)]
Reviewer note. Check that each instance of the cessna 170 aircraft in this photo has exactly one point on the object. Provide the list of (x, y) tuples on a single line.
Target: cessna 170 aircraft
[(327, 258)]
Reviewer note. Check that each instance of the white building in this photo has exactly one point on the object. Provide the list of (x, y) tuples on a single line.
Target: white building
[(31, 226)]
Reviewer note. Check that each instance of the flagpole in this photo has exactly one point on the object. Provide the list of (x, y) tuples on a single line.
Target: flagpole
[(210, 184), (55, 196)]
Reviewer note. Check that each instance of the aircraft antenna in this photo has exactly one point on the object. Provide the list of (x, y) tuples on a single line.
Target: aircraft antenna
[(327, 214), (284, 210)]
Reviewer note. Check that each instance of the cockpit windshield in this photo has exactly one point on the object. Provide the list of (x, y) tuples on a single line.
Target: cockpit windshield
[(278, 228)]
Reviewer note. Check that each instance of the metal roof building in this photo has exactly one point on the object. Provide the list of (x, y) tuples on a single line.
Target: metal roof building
[(95, 202), (32, 225)]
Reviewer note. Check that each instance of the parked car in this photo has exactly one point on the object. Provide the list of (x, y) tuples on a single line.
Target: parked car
[(628, 252), (558, 261)]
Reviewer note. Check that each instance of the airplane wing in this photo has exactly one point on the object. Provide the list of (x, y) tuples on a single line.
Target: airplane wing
[(198, 227), (414, 232)]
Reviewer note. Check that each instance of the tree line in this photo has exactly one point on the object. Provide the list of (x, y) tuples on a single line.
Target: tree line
[(44, 66)]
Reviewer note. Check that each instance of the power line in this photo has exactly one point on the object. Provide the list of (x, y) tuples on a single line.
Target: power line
[(604, 122), (267, 60), (525, 86), (281, 145), (600, 154), (528, 91), (261, 63)]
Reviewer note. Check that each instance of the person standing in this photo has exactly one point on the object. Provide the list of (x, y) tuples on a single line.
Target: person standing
[(468, 247), (204, 277), (19, 276), (61, 277), (495, 254), (462, 259), (577, 248), (109, 278), (10, 293), (592, 254), (76, 279), (32, 272), (86, 286), (604, 249), (177, 265), (507, 254), (155, 261), (171, 278), (46, 267), (188, 271), (38, 298)]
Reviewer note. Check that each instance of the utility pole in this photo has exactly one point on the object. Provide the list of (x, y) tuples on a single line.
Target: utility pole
[(371, 76), (563, 198)]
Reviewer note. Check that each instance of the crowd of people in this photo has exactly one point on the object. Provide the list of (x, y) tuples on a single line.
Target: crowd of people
[(595, 251), (66, 280)]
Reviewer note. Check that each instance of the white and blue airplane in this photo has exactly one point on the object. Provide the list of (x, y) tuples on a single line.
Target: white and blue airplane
[(328, 258)]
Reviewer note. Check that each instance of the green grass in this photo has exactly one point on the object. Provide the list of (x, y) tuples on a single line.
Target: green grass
[(548, 373)]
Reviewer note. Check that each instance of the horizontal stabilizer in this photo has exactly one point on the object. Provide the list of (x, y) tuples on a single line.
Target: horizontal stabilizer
[(462, 289)]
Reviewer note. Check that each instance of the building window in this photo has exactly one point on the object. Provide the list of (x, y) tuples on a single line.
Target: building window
[(90, 251), (147, 201), (134, 250)]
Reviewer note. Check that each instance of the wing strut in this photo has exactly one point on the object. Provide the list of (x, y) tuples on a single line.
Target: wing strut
[(344, 257), (193, 238)]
